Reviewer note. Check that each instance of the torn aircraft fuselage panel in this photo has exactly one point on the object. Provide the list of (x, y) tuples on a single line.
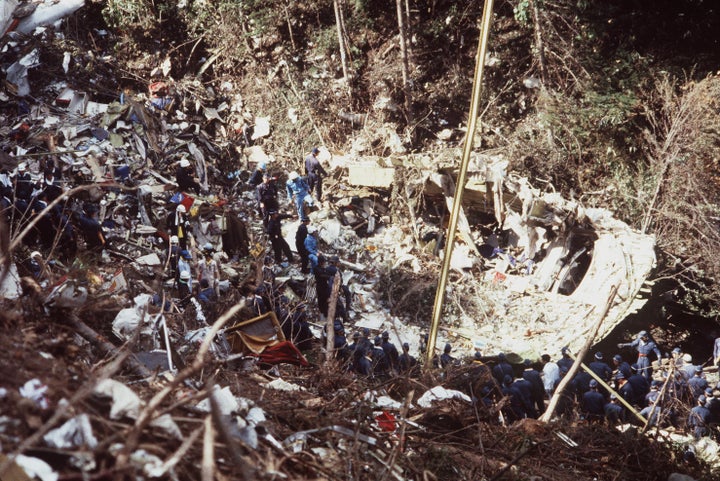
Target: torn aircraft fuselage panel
[(560, 265)]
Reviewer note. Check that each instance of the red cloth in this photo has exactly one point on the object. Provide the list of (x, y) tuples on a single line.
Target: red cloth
[(386, 421), (187, 202), (281, 352)]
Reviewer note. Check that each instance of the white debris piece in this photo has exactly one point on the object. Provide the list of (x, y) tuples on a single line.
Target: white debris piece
[(7, 8), (385, 402), (150, 464), (35, 390), (256, 155), (439, 393), (372, 320), (262, 128), (17, 73), (125, 403), (680, 477), (36, 468), (225, 399), (67, 56), (148, 260), (255, 416), (50, 121), (127, 320), (281, 385), (292, 115), (461, 258), (47, 13), (75, 433), (531, 83), (445, 134), (10, 287)]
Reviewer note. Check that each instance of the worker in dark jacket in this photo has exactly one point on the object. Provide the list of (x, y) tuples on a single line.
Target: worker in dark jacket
[(515, 408), (185, 179), (525, 387), (184, 289), (446, 359), (274, 231), (300, 236), (502, 369), (390, 350), (600, 367), (267, 197), (581, 383), (322, 285), (697, 384), (334, 266), (538, 388), (314, 172), (621, 366), (565, 361), (207, 295), (699, 418), (381, 363), (640, 385), (593, 403), (50, 184), (23, 187), (364, 362), (614, 412), (340, 342), (624, 388), (406, 362), (256, 177), (311, 246), (90, 228), (333, 271)]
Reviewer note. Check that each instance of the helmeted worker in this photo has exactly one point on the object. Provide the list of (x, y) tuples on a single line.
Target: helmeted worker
[(314, 172), (644, 347), (299, 191)]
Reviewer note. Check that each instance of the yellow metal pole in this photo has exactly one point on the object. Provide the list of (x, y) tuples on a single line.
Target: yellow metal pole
[(460, 187)]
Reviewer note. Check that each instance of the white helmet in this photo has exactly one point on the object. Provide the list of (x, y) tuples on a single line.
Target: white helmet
[(293, 175), (184, 163), (174, 240), (185, 276), (22, 167), (312, 229), (181, 208)]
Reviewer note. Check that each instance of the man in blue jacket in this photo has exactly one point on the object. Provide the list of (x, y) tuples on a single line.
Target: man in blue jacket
[(299, 191)]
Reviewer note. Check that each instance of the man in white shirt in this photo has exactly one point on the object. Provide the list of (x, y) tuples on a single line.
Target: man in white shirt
[(550, 374)]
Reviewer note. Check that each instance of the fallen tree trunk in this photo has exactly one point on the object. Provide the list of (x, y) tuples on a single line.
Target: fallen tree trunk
[(330, 346), (105, 347)]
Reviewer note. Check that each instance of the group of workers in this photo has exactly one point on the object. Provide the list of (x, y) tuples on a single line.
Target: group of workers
[(667, 391)]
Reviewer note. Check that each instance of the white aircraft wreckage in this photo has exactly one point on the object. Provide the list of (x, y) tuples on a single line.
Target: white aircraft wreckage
[(548, 272)]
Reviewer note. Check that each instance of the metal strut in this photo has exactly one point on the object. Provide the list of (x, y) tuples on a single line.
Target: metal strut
[(460, 187)]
